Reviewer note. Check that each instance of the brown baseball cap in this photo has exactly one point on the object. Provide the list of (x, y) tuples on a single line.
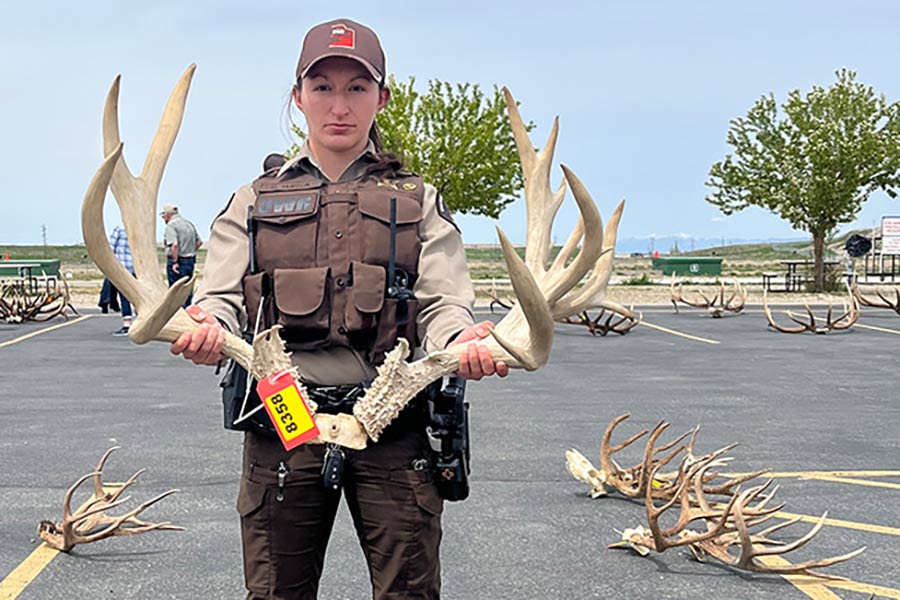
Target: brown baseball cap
[(342, 37)]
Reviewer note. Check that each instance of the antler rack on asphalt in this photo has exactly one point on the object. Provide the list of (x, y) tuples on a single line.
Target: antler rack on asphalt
[(882, 301), (90, 523), (846, 320), (722, 525), (716, 304)]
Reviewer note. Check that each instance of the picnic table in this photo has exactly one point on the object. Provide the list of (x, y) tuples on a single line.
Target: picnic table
[(793, 277)]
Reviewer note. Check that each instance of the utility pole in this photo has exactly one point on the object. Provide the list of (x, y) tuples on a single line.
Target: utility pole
[(44, 235)]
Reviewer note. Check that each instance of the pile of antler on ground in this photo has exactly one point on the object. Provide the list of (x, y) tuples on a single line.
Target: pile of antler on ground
[(33, 299), (846, 320), (723, 526), (881, 302), (545, 290), (90, 523), (716, 304)]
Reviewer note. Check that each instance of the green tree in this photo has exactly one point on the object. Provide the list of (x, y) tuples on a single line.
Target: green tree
[(457, 138), (813, 163)]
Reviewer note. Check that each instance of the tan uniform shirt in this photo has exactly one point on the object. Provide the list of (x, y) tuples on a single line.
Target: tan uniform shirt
[(443, 288)]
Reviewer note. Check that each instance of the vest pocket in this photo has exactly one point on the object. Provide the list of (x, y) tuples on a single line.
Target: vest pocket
[(287, 226), (396, 322), (376, 212), (300, 297), (366, 297)]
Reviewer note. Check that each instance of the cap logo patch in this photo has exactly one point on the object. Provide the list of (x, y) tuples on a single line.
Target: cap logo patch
[(342, 37)]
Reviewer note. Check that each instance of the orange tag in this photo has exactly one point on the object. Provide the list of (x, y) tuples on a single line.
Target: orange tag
[(287, 409)]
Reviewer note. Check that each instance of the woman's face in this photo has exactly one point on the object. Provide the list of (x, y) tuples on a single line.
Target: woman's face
[(340, 101)]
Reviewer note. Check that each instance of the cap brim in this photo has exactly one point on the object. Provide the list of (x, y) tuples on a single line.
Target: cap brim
[(378, 77)]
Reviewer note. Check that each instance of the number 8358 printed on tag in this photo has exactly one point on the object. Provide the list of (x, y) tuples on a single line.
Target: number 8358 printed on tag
[(287, 410)]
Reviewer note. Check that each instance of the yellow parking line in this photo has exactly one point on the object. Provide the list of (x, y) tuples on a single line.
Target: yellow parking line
[(864, 482), (881, 329), (44, 330), (865, 588), (812, 587), (25, 573), (782, 474), (839, 523), (678, 333)]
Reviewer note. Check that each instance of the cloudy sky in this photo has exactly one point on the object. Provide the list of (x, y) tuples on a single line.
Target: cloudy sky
[(644, 90)]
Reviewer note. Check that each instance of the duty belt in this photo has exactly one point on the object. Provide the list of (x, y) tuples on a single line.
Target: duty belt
[(334, 399)]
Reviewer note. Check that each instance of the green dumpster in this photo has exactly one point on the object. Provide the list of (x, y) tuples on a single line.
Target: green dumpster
[(35, 268), (688, 265)]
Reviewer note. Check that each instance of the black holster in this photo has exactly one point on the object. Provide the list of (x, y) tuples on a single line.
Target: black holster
[(234, 386), (448, 434)]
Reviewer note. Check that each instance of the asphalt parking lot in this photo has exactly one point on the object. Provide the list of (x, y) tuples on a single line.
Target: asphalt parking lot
[(795, 403)]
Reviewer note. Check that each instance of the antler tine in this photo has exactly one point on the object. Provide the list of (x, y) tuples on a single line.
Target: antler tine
[(115, 524), (568, 248), (534, 308), (542, 203), (606, 451), (592, 293), (67, 499), (749, 552), (98, 482), (803, 327), (591, 248), (137, 196), (94, 231), (128, 483)]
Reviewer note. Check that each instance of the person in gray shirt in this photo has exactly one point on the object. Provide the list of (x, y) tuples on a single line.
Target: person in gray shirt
[(182, 242)]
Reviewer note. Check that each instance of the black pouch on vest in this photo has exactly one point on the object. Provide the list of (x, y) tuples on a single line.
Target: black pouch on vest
[(234, 386)]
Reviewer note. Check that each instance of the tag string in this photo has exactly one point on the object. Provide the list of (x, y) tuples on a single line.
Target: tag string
[(241, 416)]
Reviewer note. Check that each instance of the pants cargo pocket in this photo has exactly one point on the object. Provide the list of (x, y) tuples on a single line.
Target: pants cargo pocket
[(254, 535), (422, 554)]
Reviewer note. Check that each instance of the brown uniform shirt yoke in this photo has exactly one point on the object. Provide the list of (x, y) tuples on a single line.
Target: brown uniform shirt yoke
[(444, 290)]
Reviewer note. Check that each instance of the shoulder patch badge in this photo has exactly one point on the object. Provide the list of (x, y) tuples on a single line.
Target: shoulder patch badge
[(409, 186), (445, 213)]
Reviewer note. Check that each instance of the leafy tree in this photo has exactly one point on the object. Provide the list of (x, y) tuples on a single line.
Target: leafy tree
[(457, 138), (815, 162)]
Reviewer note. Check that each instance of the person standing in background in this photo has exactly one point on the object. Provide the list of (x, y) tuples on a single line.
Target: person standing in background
[(118, 242), (182, 242)]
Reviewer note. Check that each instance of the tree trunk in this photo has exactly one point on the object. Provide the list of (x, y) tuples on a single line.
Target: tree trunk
[(819, 268)]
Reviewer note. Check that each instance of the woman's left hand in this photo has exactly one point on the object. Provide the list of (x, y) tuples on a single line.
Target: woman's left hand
[(476, 361)]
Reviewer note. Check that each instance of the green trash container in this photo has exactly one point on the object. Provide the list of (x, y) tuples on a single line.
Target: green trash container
[(688, 265), (35, 268)]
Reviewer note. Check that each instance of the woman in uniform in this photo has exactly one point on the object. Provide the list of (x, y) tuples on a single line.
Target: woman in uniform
[(308, 246)]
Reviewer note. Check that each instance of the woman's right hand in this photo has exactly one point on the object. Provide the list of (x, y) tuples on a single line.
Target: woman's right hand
[(204, 345)]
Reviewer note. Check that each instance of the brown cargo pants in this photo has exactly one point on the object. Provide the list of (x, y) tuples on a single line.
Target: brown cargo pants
[(285, 528)]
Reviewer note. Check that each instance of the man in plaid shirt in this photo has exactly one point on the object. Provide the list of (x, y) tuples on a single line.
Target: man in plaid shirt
[(118, 241)]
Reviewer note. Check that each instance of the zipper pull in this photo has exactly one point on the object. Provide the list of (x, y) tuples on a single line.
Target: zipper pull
[(282, 474)]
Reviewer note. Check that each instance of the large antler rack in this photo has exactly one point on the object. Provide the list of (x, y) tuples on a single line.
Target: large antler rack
[(634, 481), (544, 291), (882, 301), (716, 304), (726, 527), (846, 320), (90, 523)]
